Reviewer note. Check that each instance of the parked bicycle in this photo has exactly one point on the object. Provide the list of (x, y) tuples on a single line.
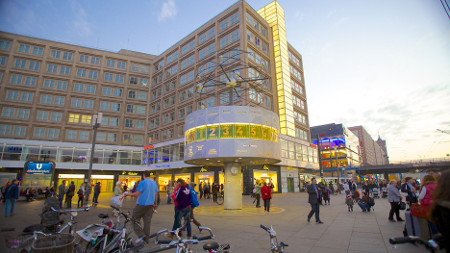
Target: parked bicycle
[(219, 198), (106, 236), (274, 246), (431, 245)]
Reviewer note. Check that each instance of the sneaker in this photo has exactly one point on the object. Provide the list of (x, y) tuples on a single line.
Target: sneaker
[(319, 222), (400, 219), (392, 220)]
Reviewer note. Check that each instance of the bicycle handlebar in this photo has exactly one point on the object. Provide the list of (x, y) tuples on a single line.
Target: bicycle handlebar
[(264, 227), (84, 209)]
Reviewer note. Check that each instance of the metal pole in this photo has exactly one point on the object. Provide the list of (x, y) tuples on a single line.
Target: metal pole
[(320, 157), (97, 118), (337, 167)]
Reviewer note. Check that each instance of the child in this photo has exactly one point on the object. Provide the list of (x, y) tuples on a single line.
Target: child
[(349, 202)]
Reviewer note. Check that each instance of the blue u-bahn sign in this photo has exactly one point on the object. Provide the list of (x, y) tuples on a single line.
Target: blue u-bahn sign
[(39, 168)]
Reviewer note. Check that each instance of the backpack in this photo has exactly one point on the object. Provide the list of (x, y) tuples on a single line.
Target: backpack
[(194, 200), (49, 217), (370, 201)]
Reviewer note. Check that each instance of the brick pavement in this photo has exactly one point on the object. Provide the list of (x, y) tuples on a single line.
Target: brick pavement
[(342, 231)]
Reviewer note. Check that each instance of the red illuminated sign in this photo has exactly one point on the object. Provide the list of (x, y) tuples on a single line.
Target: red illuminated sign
[(148, 147)]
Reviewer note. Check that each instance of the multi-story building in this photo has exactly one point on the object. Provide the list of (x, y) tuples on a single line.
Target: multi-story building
[(371, 152), (51, 90), (339, 147)]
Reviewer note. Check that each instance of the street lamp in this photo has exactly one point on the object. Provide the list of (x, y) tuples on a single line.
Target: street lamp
[(337, 167), (96, 122)]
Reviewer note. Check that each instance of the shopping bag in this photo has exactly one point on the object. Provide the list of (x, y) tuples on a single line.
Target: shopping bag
[(420, 211), (117, 200), (402, 205)]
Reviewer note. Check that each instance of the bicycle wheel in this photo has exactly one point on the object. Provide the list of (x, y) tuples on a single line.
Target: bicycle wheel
[(219, 200)]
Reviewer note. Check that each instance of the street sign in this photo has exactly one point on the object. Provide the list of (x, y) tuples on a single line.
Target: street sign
[(39, 168)]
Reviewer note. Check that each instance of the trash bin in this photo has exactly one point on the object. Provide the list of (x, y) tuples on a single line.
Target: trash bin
[(59, 243)]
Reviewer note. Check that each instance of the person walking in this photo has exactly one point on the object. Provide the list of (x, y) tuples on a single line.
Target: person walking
[(169, 190), (200, 189), (11, 195), (146, 204), (194, 204), (266, 194), (215, 191), (394, 198), (182, 199), (61, 192), (96, 193), (70, 192), (118, 189), (313, 200), (258, 193), (81, 193)]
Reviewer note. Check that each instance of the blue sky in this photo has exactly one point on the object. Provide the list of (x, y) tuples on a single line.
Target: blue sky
[(381, 64)]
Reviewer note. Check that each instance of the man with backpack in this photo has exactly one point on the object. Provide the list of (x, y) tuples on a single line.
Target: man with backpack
[(70, 192)]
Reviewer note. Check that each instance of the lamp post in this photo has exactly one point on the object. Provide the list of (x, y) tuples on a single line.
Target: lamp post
[(96, 121), (337, 167)]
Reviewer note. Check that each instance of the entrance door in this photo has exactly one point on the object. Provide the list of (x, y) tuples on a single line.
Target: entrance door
[(290, 184)]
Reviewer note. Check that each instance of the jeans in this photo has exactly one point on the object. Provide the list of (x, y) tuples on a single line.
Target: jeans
[(364, 207), (395, 208), (186, 214), (266, 204), (169, 200), (145, 212), (9, 206), (80, 200), (95, 199), (314, 210), (257, 197), (61, 198)]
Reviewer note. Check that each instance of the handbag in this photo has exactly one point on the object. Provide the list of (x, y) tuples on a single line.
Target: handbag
[(402, 205), (420, 211)]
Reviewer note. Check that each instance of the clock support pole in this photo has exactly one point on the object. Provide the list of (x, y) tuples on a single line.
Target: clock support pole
[(233, 186)]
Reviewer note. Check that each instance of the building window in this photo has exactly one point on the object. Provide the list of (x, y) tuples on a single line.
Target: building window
[(5, 130), (71, 134), (39, 132), (55, 53), (4, 44), (53, 133), (42, 115), (20, 130), (23, 113)]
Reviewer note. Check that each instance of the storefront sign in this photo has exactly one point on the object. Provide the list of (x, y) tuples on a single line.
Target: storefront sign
[(203, 170), (71, 176), (129, 173), (102, 176), (39, 168), (148, 147), (302, 177)]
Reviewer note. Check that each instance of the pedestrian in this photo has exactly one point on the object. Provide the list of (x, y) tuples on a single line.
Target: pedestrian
[(11, 195), (194, 204), (125, 187), (96, 193), (81, 193), (208, 190), (266, 194), (326, 195), (313, 200), (215, 191), (320, 188), (394, 199), (169, 190), (88, 191), (118, 189), (409, 190), (182, 199), (364, 202), (258, 193), (427, 189), (70, 192), (440, 208), (61, 192), (4, 191), (146, 204), (346, 188), (200, 189), (349, 201)]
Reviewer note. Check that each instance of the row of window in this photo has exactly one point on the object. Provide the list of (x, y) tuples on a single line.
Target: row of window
[(26, 64), (297, 87), (295, 73), (253, 22), (299, 133), (258, 59), (228, 39), (298, 102), (294, 59), (299, 117), (257, 41)]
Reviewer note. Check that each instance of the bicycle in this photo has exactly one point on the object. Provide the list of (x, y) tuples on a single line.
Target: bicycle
[(274, 246), (431, 245), (219, 198), (106, 236)]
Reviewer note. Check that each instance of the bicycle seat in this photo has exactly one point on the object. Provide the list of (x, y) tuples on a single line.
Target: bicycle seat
[(103, 216), (211, 246), (32, 228)]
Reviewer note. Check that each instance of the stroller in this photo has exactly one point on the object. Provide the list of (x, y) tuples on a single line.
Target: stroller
[(385, 192), (375, 193)]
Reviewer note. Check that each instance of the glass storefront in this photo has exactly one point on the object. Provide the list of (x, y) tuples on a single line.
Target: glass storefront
[(266, 176), (163, 180), (37, 180), (129, 181), (185, 176), (106, 182), (7, 177), (78, 179), (204, 177)]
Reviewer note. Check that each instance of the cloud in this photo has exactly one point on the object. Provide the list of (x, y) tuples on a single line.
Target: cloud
[(168, 10), (80, 24)]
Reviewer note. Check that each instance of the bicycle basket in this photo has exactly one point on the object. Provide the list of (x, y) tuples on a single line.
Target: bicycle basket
[(59, 243)]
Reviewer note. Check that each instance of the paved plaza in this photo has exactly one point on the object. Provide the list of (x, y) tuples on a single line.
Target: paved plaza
[(342, 231)]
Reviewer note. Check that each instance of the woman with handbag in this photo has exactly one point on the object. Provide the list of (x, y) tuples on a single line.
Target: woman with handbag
[(394, 198)]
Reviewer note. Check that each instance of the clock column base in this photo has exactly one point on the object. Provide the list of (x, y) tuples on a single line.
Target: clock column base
[(233, 186)]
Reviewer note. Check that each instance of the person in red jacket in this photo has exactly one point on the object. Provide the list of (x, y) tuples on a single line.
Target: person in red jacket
[(266, 196)]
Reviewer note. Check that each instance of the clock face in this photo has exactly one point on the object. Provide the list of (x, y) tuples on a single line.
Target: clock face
[(234, 170)]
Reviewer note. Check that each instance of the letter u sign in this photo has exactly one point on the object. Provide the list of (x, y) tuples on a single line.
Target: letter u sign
[(39, 166)]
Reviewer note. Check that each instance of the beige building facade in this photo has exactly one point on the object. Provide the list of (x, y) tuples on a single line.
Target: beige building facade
[(49, 92)]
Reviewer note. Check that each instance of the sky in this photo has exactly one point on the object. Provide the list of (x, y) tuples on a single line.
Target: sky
[(381, 64)]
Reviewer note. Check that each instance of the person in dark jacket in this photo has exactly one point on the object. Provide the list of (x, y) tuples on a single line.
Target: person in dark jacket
[(96, 193), (313, 199), (70, 192), (61, 192), (410, 190), (182, 206), (11, 195)]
